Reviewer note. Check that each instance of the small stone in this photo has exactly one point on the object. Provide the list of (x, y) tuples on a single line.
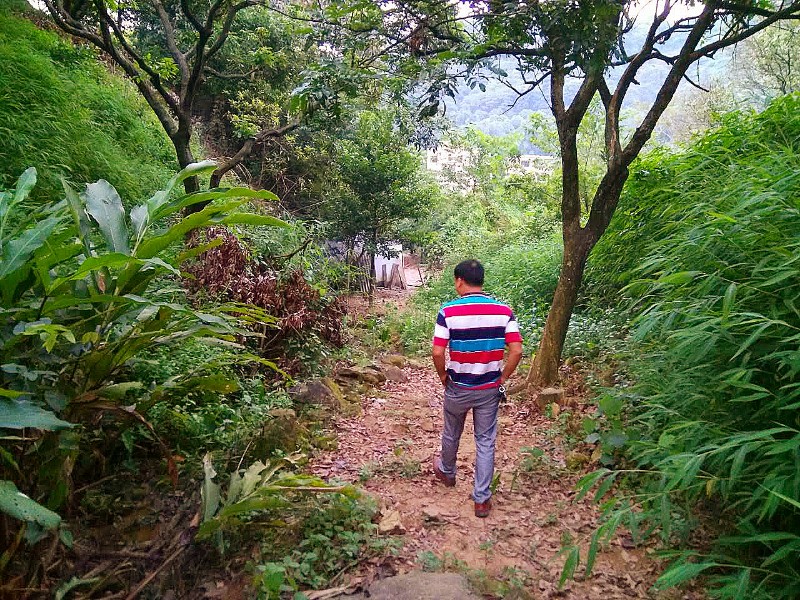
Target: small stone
[(550, 395), (395, 374), (372, 374), (314, 392), (397, 360), (431, 514), (391, 524)]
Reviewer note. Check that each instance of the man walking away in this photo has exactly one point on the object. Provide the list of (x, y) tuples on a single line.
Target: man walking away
[(477, 328)]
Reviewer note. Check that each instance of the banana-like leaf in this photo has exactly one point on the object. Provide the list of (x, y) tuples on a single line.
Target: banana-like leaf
[(198, 250), (24, 186), (78, 210), (105, 206), (158, 201), (18, 250), (209, 493), (117, 391), (203, 218), (140, 220), (18, 505), (211, 196), (19, 413)]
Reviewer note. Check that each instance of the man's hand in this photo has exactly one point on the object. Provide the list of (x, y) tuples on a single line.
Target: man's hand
[(439, 363)]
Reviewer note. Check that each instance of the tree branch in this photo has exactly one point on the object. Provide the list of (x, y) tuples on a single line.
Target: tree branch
[(247, 148), (172, 46)]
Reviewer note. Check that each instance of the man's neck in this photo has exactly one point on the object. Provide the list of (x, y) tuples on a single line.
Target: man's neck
[(472, 290)]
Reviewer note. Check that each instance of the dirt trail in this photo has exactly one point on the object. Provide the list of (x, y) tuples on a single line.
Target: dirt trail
[(388, 450)]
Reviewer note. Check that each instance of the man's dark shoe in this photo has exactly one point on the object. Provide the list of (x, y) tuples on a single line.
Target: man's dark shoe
[(482, 508), (448, 480)]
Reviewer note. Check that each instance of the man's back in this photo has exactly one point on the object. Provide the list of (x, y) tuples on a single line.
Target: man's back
[(477, 328)]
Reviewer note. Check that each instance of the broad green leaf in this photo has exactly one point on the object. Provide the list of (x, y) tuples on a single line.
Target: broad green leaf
[(105, 206), (159, 200), (78, 211), (197, 250), (152, 246), (209, 492), (139, 220), (18, 505), (610, 405), (18, 250), (25, 184), (117, 391), (20, 413)]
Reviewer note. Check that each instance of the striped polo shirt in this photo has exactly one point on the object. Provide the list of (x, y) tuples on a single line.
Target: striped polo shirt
[(477, 327)]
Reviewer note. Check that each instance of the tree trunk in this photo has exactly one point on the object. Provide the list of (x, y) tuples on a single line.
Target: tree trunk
[(544, 370), (180, 140)]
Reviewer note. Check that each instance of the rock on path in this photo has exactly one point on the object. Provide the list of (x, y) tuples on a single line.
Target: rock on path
[(419, 586)]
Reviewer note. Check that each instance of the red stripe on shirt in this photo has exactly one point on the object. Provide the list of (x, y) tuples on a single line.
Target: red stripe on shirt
[(485, 356), (464, 310), (513, 336), (437, 341)]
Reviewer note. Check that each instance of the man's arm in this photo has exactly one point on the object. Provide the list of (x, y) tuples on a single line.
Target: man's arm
[(514, 356), (439, 362)]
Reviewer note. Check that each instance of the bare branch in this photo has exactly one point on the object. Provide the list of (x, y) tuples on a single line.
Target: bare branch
[(172, 46), (248, 147)]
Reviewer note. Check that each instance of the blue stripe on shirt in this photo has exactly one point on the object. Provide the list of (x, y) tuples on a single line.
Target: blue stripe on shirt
[(477, 345)]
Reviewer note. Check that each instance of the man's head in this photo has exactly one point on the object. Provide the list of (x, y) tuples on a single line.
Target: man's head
[(469, 276)]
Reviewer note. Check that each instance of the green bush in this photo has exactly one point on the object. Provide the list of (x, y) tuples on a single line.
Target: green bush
[(711, 259), (64, 113), (78, 307)]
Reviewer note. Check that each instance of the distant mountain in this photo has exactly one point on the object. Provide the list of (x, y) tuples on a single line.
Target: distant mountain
[(500, 111)]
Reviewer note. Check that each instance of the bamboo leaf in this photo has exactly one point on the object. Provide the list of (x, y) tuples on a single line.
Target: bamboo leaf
[(682, 572)]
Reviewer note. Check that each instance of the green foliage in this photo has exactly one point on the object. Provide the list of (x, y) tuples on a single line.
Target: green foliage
[(64, 113), (382, 184), (712, 269), (251, 491), (79, 307), (337, 534)]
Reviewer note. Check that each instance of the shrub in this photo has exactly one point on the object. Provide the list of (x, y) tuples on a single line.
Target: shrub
[(712, 415), (77, 308)]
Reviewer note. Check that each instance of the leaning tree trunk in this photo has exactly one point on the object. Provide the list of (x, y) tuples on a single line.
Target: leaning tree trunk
[(546, 362)]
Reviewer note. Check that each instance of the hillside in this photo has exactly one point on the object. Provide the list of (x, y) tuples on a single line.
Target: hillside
[(63, 112)]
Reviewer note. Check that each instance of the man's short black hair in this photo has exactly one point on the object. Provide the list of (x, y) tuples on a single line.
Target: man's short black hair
[(471, 271)]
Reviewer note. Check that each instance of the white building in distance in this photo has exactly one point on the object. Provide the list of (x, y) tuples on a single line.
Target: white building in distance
[(450, 166)]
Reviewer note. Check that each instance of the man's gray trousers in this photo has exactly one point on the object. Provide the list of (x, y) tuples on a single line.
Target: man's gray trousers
[(484, 404)]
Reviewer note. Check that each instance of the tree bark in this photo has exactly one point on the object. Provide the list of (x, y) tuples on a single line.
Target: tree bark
[(544, 370), (183, 150)]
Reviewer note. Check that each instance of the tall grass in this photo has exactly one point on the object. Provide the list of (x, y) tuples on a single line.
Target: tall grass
[(707, 243), (64, 113)]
